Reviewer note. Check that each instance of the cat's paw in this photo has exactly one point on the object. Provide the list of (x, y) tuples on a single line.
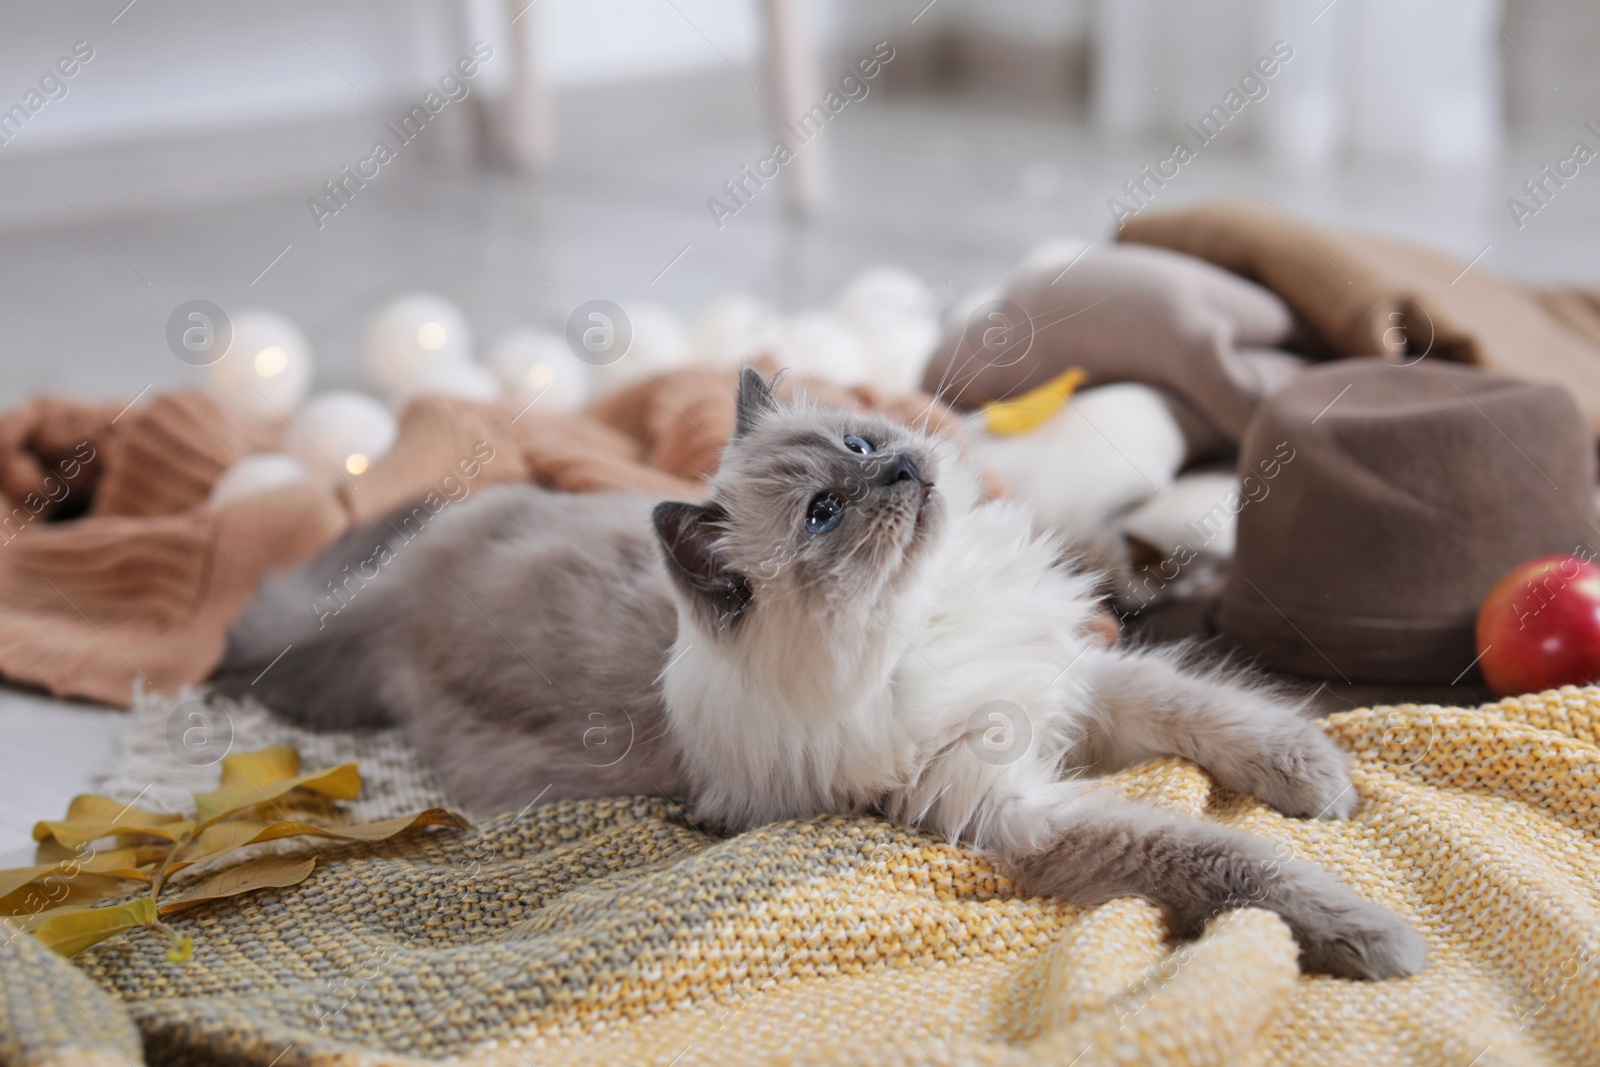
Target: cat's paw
[(1362, 940), (1341, 933), (1304, 775)]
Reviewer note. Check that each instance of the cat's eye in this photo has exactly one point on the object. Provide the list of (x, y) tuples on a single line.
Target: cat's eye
[(824, 512), (858, 445)]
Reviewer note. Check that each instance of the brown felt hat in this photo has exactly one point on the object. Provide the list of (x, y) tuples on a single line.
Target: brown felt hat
[(1397, 496)]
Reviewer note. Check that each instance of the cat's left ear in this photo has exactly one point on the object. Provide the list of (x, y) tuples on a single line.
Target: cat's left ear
[(690, 535), (756, 399)]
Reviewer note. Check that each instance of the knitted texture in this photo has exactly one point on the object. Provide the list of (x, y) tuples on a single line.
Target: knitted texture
[(145, 767), (167, 456), (621, 931)]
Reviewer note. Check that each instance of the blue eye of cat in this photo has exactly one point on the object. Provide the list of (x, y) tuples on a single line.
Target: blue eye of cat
[(858, 446), (824, 512)]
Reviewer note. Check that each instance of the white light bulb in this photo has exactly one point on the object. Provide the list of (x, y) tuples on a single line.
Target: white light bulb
[(431, 336), (340, 433), (733, 330), (267, 369), (410, 336), (660, 343), (820, 344), (253, 474), (887, 291), (270, 361), (538, 369), (464, 378)]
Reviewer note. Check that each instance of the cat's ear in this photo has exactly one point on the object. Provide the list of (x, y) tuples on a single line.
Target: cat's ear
[(689, 534), (756, 400)]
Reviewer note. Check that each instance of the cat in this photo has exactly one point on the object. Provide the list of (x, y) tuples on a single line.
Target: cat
[(841, 626)]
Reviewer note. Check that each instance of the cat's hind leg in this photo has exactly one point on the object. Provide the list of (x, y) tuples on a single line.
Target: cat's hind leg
[(1157, 702)]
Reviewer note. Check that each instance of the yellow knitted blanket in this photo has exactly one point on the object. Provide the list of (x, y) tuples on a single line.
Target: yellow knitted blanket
[(615, 932)]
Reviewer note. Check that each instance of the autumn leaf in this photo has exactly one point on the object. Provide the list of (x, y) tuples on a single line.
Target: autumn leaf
[(268, 872), (143, 853), (261, 767), (341, 783), (87, 807), (73, 833), (115, 863), (75, 880), (48, 893), (71, 930), (50, 897), (91, 817), (236, 833)]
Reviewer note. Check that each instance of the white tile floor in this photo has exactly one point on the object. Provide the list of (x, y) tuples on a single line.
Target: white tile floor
[(49, 749), (949, 190)]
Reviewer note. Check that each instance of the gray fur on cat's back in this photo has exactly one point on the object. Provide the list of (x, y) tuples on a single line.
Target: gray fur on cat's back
[(505, 637)]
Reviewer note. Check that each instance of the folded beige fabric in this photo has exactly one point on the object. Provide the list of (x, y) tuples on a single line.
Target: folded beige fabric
[(143, 587), (1363, 295), (1126, 314)]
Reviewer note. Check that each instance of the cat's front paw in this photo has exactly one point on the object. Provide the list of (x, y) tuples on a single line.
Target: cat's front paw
[(1305, 775)]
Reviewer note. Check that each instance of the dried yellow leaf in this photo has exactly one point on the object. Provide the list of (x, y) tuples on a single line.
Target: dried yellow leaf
[(260, 766), (226, 836), (341, 783), (69, 931), (73, 833), (268, 872)]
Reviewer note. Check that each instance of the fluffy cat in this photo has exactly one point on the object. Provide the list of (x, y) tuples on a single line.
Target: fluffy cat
[(839, 627)]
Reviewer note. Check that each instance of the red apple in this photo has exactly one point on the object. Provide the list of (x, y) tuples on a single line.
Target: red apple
[(1539, 627)]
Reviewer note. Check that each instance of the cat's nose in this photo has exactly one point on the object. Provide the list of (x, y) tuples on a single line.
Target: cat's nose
[(901, 470)]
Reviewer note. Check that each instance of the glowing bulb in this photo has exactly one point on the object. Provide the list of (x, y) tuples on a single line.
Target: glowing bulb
[(266, 370), (356, 463), (430, 336), (270, 361), (536, 363)]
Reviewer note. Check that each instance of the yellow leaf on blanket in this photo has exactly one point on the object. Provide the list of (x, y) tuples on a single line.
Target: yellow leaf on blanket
[(88, 807), (68, 931), (51, 896), (74, 833), (218, 838), (56, 892), (97, 816), (341, 783), (116, 863), (1026, 412), (261, 766), (132, 854), (268, 872), (236, 833)]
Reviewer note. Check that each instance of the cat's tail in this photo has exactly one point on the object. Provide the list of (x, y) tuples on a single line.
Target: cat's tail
[(314, 644)]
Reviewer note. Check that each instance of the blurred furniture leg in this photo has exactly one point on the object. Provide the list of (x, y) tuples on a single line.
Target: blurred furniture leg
[(1306, 126), (523, 121), (794, 84), (1127, 40)]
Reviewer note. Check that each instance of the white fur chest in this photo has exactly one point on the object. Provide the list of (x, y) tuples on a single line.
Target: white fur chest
[(897, 711)]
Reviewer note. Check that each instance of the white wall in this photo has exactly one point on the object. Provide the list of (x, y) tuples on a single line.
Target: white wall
[(190, 66), (166, 67), (586, 41)]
